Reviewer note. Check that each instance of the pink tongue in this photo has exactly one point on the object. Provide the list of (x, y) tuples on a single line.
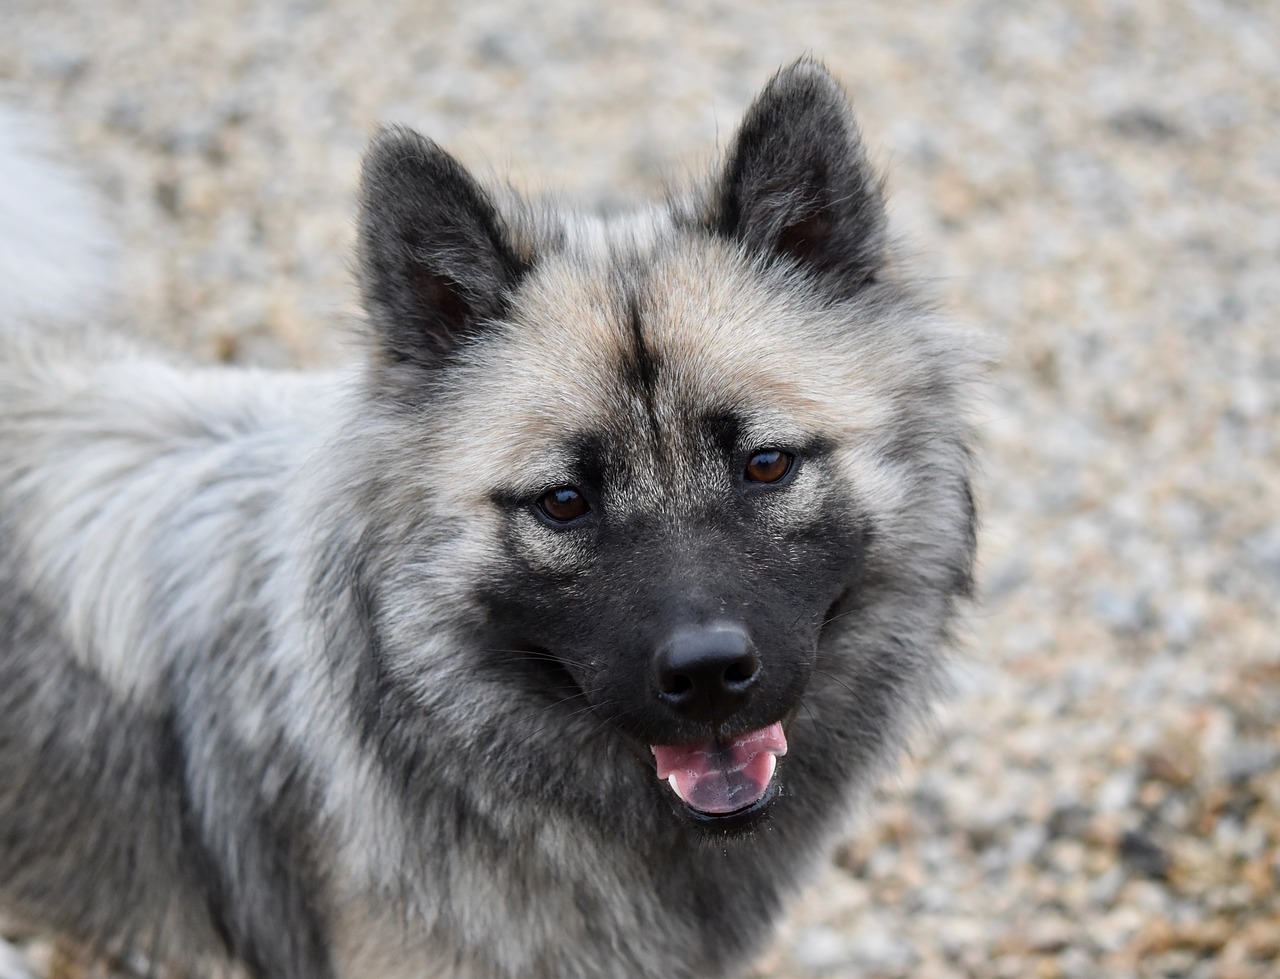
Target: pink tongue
[(722, 776)]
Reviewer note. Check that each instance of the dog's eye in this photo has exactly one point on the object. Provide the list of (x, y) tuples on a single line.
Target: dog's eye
[(561, 505), (768, 466)]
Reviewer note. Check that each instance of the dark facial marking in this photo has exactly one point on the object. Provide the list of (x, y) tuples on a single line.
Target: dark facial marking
[(642, 367)]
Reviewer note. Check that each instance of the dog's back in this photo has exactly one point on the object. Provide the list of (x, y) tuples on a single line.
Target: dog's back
[(115, 466)]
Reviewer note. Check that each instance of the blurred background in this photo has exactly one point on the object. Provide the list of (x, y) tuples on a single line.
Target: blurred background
[(1096, 183)]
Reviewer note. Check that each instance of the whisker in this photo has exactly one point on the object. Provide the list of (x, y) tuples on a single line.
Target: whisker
[(607, 719), (832, 676), (590, 707), (586, 710), (536, 654), (515, 657), (552, 706), (465, 669), (809, 710), (838, 615)]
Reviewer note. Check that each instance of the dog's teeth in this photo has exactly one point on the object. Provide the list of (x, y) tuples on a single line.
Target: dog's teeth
[(773, 767), (671, 781)]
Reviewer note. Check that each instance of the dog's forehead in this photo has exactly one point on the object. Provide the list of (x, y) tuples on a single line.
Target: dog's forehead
[(638, 347), (685, 327)]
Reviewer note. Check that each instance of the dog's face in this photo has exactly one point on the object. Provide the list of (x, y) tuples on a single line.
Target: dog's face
[(670, 436), (673, 521)]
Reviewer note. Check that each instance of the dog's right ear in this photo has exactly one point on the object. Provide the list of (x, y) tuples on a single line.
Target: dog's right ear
[(434, 262)]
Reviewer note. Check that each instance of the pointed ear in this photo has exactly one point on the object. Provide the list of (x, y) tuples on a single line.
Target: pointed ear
[(797, 182), (434, 262)]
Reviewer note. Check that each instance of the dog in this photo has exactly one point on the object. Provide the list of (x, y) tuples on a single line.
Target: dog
[(556, 638)]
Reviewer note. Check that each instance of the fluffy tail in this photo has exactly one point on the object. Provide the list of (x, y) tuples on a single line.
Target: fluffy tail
[(55, 252)]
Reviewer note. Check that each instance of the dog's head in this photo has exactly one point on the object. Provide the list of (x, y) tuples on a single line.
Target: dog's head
[(673, 454)]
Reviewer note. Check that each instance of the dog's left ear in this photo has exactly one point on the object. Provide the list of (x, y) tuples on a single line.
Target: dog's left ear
[(435, 264), (797, 182)]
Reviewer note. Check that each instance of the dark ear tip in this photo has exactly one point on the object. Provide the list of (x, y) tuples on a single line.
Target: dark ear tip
[(399, 138), (805, 76), (803, 90), (806, 68), (398, 150)]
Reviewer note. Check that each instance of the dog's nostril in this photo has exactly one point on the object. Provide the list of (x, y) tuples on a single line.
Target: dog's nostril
[(742, 671), (706, 672), (676, 685)]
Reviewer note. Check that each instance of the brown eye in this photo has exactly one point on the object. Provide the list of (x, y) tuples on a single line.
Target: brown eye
[(768, 466), (563, 504)]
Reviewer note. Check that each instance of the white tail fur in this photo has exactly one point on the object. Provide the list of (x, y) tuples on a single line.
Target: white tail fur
[(55, 252)]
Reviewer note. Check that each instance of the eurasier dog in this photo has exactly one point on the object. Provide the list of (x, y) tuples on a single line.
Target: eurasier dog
[(554, 640)]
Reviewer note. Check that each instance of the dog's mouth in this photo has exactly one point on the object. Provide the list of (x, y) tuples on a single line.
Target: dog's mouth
[(723, 779)]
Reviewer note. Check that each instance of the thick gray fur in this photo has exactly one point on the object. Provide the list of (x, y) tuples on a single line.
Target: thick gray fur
[(296, 681)]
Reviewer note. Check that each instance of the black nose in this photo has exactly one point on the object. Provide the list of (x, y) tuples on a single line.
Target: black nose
[(706, 672)]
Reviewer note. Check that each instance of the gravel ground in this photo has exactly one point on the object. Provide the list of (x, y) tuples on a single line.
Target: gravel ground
[(1097, 183)]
